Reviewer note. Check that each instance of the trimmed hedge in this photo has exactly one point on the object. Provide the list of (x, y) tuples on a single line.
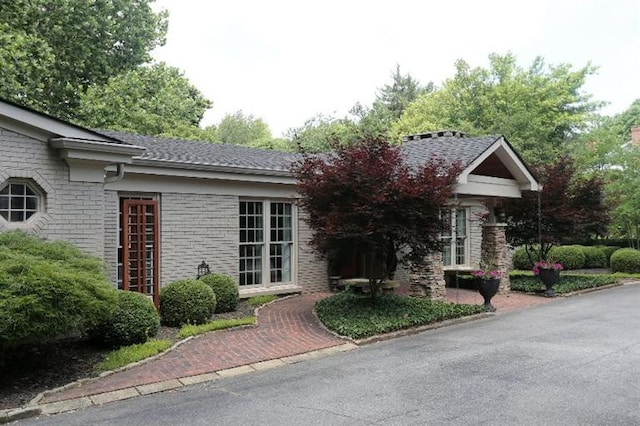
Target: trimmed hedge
[(226, 291), (187, 301), (49, 290), (594, 257), (571, 257), (625, 260), (608, 251), (134, 320)]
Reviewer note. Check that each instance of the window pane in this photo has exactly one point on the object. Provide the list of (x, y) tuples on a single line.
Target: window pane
[(4, 202), (17, 216), (32, 203), (18, 189), (4, 214), (17, 203), (5, 190)]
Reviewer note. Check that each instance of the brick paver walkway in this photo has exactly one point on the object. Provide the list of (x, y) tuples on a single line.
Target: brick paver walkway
[(503, 302), (285, 328)]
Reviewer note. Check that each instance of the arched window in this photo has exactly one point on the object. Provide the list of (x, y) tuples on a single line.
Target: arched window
[(19, 200)]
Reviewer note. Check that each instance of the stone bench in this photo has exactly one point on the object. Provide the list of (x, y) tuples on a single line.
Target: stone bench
[(388, 286)]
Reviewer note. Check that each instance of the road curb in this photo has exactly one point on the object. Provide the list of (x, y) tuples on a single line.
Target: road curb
[(58, 407)]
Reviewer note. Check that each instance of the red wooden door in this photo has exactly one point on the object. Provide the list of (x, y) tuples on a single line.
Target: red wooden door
[(140, 247)]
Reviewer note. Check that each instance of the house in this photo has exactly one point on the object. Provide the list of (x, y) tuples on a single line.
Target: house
[(155, 208)]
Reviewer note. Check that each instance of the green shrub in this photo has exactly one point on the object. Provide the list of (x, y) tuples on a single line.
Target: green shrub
[(594, 257), (49, 290), (625, 260), (186, 302), (521, 260), (571, 257), (608, 251), (358, 316), (226, 291), (134, 320), (261, 300)]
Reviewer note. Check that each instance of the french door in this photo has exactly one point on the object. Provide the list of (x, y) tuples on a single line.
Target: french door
[(139, 220)]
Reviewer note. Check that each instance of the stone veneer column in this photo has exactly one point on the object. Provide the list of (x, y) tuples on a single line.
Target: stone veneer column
[(495, 253), (427, 279)]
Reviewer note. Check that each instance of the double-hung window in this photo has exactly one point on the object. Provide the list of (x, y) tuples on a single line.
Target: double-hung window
[(266, 243), (455, 238)]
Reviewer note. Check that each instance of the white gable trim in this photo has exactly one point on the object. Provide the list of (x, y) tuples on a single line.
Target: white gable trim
[(489, 186), (512, 162), (45, 125)]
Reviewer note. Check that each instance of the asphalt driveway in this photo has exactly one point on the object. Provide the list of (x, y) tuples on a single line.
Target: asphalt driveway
[(572, 362)]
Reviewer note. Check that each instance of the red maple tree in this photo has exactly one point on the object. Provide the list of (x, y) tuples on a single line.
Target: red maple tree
[(569, 207), (366, 199)]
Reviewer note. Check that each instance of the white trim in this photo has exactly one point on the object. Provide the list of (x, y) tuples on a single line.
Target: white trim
[(503, 151), (90, 146), (489, 186), (47, 124), (207, 171)]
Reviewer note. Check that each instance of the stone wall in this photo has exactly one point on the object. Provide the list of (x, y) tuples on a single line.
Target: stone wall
[(427, 279), (496, 253)]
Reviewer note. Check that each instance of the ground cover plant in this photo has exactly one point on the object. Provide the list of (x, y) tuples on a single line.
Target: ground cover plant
[(358, 316), (527, 282), (133, 353), (193, 330)]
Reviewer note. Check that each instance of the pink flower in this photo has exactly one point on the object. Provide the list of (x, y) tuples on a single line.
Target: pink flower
[(555, 266)]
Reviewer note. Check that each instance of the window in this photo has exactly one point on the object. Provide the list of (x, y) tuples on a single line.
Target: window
[(19, 201), (263, 225), (455, 238)]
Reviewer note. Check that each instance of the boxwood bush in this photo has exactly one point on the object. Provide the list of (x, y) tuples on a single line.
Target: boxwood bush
[(571, 257), (49, 290), (594, 257), (134, 320), (625, 260), (520, 259), (187, 301), (226, 291), (608, 251)]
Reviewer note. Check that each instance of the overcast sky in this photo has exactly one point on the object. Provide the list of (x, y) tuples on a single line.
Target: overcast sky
[(286, 61)]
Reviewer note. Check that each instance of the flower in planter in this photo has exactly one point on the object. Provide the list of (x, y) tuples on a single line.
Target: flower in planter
[(544, 265), (487, 274)]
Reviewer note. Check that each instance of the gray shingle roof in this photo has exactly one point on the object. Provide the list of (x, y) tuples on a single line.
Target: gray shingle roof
[(447, 149), (205, 153)]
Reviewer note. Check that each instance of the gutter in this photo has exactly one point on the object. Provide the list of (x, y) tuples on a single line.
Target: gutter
[(118, 176)]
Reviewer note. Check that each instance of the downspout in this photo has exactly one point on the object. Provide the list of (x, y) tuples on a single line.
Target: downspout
[(118, 176)]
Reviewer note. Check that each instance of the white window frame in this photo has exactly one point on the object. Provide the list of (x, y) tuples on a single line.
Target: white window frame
[(453, 239), (38, 194), (266, 243)]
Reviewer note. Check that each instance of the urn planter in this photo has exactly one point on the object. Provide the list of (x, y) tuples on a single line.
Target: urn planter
[(549, 278), (488, 288)]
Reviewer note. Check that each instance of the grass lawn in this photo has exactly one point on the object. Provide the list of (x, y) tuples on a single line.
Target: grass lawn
[(357, 316)]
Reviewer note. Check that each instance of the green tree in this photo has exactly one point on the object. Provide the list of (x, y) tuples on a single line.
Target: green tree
[(91, 41), (241, 129), (323, 133), (25, 61), (403, 90), (152, 100), (539, 108)]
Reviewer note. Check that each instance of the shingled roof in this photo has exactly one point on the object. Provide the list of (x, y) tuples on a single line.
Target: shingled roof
[(205, 153), (449, 147)]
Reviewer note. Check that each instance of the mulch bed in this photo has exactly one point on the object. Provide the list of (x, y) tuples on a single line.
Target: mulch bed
[(31, 370)]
